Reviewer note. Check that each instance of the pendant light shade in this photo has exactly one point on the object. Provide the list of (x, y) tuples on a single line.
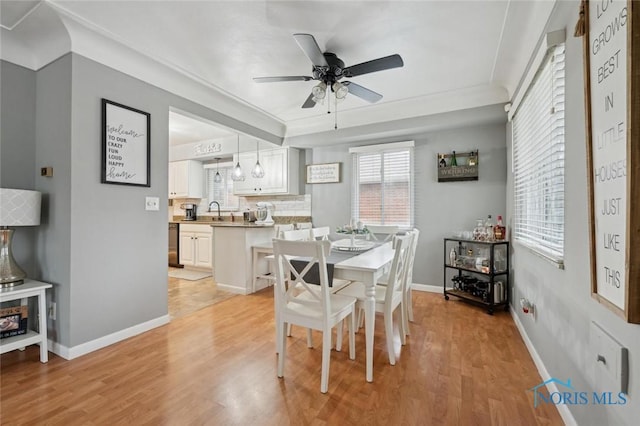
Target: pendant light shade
[(238, 174), (218, 177), (258, 171)]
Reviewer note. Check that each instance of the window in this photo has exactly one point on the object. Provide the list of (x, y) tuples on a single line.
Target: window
[(538, 160), (383, 184), (221, 192)]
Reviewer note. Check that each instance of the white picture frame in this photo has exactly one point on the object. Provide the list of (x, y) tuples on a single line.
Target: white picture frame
[(323, 173)]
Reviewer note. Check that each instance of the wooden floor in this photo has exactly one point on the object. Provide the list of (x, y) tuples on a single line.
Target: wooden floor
[(217, 366), (187, 297)]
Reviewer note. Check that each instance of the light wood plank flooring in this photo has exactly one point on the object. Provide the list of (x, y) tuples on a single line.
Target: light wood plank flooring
[(217, 366), (187, 297)]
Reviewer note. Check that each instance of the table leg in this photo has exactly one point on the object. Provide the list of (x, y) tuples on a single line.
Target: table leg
[(369, 325), (42, 327)]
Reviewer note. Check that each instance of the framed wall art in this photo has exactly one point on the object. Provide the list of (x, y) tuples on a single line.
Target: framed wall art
[(611, 44), (126, 145), (323, 173)]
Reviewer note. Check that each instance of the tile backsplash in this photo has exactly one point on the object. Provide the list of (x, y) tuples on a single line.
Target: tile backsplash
[(284, 205)]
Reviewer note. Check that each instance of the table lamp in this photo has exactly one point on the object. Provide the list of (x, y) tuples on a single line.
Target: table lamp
[(18, 207)]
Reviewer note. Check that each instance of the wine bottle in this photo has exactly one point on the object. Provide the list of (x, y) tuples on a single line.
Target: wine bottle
[(454, 162), (499, 230)]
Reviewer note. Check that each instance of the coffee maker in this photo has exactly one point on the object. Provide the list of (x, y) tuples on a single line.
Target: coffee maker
[(189, 211)]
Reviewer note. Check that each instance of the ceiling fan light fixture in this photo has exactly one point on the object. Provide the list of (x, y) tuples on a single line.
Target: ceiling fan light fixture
[(319, 91), (340, 90)]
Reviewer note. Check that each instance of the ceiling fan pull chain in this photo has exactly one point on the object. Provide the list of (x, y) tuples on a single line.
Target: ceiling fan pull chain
[(336, 115)]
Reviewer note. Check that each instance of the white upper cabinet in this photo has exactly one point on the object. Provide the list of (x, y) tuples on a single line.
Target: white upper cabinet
[(281, 173), (186, 179)]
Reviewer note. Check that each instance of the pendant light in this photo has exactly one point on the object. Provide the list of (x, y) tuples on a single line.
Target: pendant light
[(218, 177), (258, 171), (238, 174)]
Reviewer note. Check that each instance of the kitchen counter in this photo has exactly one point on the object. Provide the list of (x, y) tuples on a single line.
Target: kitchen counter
[(222, 223)]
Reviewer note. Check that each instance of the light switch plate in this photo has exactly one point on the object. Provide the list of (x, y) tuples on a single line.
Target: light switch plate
[(152, 203), (611, 360)]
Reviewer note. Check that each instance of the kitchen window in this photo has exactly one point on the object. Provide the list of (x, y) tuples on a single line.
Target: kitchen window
[(382, 192), (538, 160), (221, 192)]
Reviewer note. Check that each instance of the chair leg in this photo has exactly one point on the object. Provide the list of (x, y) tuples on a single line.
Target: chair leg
[(403, 331), (309, 338), (360, 318), (326, 358), (388, 329), (339, 336), (282, 350), (352, 335), (289, 330), (410, 305), (405, 316)]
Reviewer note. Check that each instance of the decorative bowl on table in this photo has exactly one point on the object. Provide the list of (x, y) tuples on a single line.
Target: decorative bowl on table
[(352, 245)]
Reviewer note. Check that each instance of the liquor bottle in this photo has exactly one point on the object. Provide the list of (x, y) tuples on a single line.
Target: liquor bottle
[(454, 162), (499, 231), (442, 162), (488, 226), (452, 257), (473, 159)]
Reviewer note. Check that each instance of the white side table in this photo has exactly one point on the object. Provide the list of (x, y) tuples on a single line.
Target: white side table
[(30, 288)]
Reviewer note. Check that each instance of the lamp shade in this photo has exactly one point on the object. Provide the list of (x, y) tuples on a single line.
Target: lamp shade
[(19, 207)]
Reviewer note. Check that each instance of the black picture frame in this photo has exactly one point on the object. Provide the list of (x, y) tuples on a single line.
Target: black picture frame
[(126, 145)]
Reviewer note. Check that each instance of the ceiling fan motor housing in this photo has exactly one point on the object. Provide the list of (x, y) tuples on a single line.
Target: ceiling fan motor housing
[(332, 73)]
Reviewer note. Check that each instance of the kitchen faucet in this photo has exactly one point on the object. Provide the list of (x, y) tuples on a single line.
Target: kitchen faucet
[(218, 204)]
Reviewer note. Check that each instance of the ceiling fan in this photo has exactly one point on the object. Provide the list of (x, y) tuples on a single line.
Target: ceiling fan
[(329, 69)]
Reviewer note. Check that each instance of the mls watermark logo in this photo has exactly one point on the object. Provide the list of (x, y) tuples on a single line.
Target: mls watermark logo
[(568, 395)]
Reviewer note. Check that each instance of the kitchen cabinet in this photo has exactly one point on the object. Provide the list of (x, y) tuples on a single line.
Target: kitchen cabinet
[(186, 179), (281, 173), (196, 244), (485, 265)]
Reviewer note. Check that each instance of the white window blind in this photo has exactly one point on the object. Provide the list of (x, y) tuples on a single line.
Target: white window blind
[(538, 160), (382, 192), (222, 192)]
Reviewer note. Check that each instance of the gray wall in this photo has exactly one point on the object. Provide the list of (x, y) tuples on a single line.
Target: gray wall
[(17, 148), (560, 330), (441, 208)]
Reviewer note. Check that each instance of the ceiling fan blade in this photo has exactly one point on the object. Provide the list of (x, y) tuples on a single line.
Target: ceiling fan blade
[(380, 64), (362, 92), (283, 78), (310, 48), (309, 103)]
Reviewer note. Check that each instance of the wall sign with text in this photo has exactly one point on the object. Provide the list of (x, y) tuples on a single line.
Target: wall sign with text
[(611, 50), (323, 173), (126, 144)]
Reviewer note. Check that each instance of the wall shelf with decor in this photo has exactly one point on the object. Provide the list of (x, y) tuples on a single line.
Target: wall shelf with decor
[(457, 166), (484, 262)]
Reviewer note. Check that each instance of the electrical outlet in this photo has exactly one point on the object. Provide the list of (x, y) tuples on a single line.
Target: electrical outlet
[(52, 310), (152, 203)]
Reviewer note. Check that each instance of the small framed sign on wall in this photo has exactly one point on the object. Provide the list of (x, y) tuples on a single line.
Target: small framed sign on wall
[(323, 173), (126, 144), (612, 96)]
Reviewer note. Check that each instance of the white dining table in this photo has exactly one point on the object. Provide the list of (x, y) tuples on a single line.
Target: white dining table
[(368, 268)]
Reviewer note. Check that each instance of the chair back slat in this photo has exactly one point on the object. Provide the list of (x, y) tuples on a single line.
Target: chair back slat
[(321, 233), (296, 235), (383, 232), (280, 229)]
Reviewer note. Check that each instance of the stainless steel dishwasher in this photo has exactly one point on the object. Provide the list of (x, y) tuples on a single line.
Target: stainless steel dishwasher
[(174, 245)]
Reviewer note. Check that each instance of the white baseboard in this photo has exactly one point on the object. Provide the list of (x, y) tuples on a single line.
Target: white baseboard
[(563, 410), (427, 287), (101, 342), (232, 288)]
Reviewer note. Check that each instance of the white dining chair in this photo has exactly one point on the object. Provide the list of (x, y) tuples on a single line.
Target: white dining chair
[(319, 310), (407, 301), (321, 233), (336, 283), (382, 232), (389, 297)]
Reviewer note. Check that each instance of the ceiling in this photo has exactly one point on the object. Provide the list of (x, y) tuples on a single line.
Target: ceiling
[(457, 54)]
